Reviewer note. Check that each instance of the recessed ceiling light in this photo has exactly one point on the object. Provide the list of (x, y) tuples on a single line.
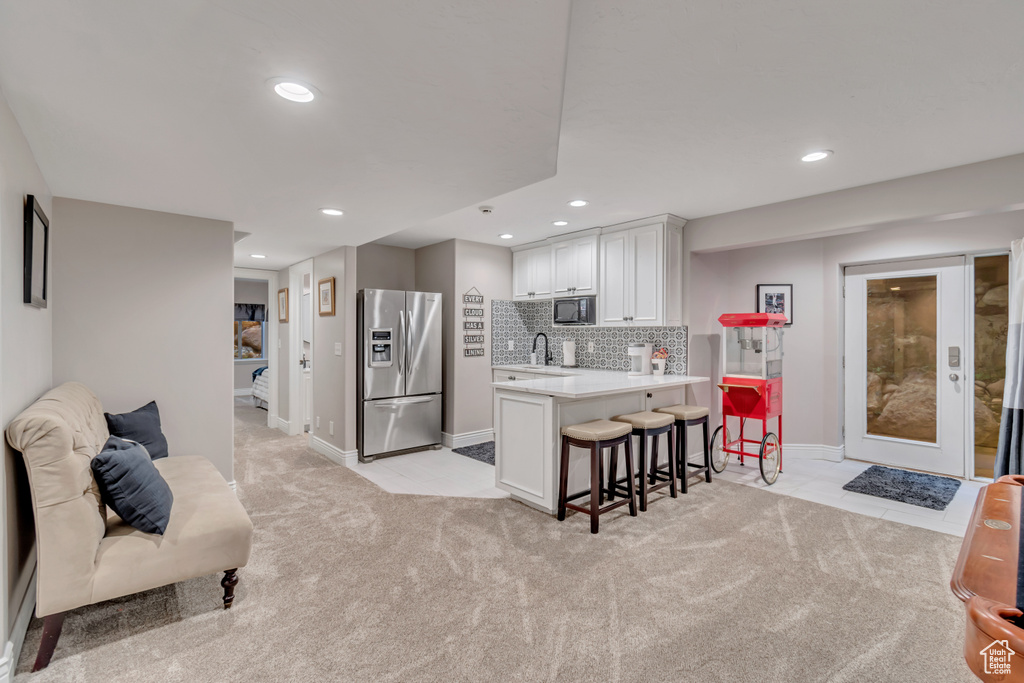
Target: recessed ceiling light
[(578, 202), (505, 236), (894, 289), (258, 255), (295, 92), (332, 212), (817, 156), (560, 223)]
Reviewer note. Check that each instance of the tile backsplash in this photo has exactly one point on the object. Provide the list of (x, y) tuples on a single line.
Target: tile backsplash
[(519, 321)]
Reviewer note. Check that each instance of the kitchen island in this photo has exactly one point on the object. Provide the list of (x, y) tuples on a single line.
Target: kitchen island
[(533, 403)]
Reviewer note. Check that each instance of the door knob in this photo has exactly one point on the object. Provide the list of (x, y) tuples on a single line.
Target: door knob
[(953, 376)]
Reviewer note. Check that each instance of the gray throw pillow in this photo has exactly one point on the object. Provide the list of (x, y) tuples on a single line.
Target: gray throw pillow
[(131, 486), (142, 425)]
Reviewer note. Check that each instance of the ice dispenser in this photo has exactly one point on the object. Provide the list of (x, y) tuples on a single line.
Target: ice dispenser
[(380, 348)]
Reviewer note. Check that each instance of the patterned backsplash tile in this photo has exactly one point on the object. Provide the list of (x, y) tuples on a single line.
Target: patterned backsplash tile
[(519, 321)]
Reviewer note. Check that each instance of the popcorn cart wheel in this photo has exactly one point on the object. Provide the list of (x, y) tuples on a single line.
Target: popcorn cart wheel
[(751, 390)]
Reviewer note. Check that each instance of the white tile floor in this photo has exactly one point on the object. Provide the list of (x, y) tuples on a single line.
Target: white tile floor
[(822, 482), (444, 473), (433, 473)]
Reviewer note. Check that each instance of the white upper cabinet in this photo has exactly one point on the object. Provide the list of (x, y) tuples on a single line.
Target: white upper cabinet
[(640, 278), (634, 268), (531, 274), (575, 266)]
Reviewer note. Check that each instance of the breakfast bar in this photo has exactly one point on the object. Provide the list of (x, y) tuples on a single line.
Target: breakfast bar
[(532, 403)]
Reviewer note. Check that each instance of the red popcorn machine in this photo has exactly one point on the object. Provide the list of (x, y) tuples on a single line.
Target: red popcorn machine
[(751, 390)]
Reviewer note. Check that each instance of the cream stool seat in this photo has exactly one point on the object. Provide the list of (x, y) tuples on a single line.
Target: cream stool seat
[(646, 420), (596, 430), (595, 436), (684, 412)]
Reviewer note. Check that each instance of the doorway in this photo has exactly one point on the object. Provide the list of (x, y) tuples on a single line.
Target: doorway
[(907, 379), (924, 363), (300, 348)]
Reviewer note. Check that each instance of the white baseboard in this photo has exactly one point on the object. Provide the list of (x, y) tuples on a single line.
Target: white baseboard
[(466, 439), (12, 651), (243, 392), (284, 425), (813, 451), (333, 453)]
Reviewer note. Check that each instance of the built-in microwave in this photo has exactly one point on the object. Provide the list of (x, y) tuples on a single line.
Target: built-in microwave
[(577, 310)]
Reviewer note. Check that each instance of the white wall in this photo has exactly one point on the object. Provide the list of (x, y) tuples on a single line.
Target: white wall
[(435, 272), (379, 266), (334, 375), (25, 366), (143, 311), (489, 269), (725, 281)]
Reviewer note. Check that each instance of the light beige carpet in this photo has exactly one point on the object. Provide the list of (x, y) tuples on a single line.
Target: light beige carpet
[(349, 583)]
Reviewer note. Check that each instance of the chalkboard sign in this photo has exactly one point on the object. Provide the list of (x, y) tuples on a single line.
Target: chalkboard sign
[(473, 325), (473, 339), (473, 352), (472, 298), (473, 312)]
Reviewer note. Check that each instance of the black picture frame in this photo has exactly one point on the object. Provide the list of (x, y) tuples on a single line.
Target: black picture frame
[(37, 250), (782, 295)]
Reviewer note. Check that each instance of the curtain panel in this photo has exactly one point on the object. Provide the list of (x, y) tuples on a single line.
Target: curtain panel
[(1010, 453), (256, 312)]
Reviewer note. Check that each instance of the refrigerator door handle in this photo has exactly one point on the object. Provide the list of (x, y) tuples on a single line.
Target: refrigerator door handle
[(401, 351), (403, 402), (408, 342)]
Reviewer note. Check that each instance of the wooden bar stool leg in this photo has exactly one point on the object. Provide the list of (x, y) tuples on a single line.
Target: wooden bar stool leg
[(642, 472), (672, 473), (563, 478), (681, 462), (595, 485), (707, 453), (653, 478), (613, 470), (630, 476), (600, 477)]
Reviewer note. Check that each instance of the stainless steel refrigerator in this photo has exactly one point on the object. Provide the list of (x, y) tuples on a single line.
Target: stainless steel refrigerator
[(399, 371)]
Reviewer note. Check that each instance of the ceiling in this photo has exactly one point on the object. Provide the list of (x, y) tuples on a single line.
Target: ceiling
[(699, 108), (423, 107), (430, 108)]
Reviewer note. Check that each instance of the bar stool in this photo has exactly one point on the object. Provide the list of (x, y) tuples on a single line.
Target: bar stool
[(689, 416), (595, 436), (644, 425)]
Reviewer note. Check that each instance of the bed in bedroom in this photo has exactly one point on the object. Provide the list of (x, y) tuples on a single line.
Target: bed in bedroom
[(261, 388)]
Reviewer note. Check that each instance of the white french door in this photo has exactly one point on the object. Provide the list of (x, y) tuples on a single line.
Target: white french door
[(907, 376)]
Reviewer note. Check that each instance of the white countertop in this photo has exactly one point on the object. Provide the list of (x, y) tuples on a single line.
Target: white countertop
[(586, 383)]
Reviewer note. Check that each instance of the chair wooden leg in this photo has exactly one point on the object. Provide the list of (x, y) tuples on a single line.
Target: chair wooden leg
[(600, 477), (563, 479), (613, 472), (52, 626), (229, 582), (707, 453), (642, 472), (682, 460), (672, 474), (595, 485), (630, 477)]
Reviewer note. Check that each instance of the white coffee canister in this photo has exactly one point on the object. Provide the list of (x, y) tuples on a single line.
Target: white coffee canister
[(639, 358), (568, 353)]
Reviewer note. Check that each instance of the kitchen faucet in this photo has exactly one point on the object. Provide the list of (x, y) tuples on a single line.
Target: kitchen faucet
[(547, 347)]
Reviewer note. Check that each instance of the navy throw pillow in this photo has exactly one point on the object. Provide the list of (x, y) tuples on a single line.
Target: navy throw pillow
[(131, 486), (142, 425)]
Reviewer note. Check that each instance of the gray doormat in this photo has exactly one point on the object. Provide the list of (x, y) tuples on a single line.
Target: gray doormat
[(484, 452), (914, 488)]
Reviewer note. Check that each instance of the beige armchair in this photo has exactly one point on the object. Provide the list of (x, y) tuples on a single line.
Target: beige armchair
[(85, 552)]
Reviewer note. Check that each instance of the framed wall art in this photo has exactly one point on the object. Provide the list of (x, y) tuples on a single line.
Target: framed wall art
[(282, 305), (37, 248), (325, 287), (776, 299)]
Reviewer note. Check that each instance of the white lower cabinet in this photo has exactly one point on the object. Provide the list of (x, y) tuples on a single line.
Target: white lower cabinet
[(523, 426)]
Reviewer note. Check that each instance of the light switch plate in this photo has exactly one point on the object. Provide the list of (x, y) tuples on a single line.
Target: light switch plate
[(511, 345), (337, 348), (318, 422), (590, 347), (330, 427), (278, 342)]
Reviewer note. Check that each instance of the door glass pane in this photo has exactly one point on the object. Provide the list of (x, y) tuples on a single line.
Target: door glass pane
[(991, 300), (901, 353)]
